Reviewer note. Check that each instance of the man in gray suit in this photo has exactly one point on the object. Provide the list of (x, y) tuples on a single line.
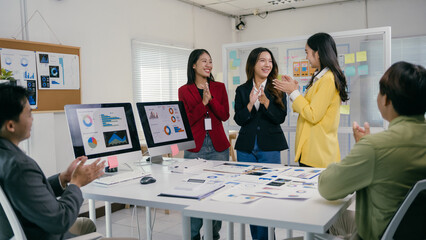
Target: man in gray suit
[(46, 207)]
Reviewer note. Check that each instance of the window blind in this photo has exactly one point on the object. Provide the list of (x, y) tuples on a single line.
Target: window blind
[(158, 71)]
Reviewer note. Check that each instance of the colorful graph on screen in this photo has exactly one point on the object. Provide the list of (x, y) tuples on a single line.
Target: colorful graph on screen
[(115, 138), (178, 129), (167, 130), (87, 121), (110, 121)]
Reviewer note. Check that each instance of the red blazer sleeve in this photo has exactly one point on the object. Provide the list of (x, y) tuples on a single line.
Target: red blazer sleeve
[(219, 103)]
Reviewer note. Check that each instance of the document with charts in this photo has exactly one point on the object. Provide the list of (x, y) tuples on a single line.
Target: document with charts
[(239, 168), (58, 71), (192, 165), (291, 190), (303, 173)]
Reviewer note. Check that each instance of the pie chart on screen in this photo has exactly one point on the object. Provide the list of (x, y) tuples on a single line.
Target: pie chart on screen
[(92, 142)]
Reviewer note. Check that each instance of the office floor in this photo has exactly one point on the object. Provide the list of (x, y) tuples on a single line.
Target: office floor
[(166, 227)]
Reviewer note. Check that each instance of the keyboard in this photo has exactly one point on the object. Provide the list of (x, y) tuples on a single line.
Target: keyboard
[(120, 177)]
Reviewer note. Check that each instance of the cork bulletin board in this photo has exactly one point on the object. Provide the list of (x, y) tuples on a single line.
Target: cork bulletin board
[(51, 99)]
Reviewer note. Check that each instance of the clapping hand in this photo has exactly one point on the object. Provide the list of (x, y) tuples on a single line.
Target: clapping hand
[(360, 132), (84, 174), (263, 99), (254, 95), (207, 96), (65, 177), (287, 85)]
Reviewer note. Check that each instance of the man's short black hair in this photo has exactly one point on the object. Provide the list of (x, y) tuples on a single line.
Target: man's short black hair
[(405, 85), (12, 102)]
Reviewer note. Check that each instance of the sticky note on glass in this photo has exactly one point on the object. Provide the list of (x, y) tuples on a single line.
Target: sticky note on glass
[(361, 56), (233, 54), (350, 71), (236, 80), (112, 161), (236, 62), (349, 58), (363, 70), (175, 149), (231, 65), (345, 109)]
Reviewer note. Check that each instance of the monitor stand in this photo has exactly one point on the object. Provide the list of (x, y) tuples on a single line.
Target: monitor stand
[(160, 160), (156, 159)]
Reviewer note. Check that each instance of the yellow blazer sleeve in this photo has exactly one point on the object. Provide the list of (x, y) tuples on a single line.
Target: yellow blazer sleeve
[(314, 106)]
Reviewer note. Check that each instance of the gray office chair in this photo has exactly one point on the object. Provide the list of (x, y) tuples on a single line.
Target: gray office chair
[(409, 222), (19, 232)]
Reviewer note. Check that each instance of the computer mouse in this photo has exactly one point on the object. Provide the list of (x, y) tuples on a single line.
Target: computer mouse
[(148, 180)]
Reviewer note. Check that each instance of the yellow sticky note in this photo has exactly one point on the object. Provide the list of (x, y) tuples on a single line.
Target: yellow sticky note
[(345, 109), (361, 56), (231, 65), (349, 58)]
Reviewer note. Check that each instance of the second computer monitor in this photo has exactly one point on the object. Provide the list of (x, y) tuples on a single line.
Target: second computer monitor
[(104, 130), (166, 128)]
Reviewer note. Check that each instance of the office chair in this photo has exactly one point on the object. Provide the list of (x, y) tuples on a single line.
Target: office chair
[(19, 232), (11, 216), (409, 222)]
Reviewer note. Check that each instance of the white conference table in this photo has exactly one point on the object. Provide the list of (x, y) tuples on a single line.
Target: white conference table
[(313, 215)]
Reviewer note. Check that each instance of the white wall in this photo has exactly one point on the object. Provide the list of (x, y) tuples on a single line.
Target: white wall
[(103, 29), (406, 18)]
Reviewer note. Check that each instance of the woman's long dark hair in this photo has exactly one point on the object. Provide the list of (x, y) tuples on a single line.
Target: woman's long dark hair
[(193, 58), (326, 47), (251, 62)]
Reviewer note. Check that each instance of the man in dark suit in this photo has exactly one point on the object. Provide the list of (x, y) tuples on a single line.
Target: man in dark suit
[(46, 208)]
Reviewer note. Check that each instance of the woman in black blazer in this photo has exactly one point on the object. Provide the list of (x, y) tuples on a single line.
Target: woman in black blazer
[(259, 110)]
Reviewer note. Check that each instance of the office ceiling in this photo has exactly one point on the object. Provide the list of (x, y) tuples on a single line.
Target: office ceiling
[(234, 8)]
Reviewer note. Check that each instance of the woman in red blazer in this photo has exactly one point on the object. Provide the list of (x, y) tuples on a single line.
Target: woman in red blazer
[(206, 104)]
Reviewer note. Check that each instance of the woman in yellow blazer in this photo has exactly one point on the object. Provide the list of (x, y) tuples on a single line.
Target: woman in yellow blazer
[(319, 109)]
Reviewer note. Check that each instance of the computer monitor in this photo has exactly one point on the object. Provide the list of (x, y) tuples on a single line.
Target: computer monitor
[(166, 128), (105, 130)]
